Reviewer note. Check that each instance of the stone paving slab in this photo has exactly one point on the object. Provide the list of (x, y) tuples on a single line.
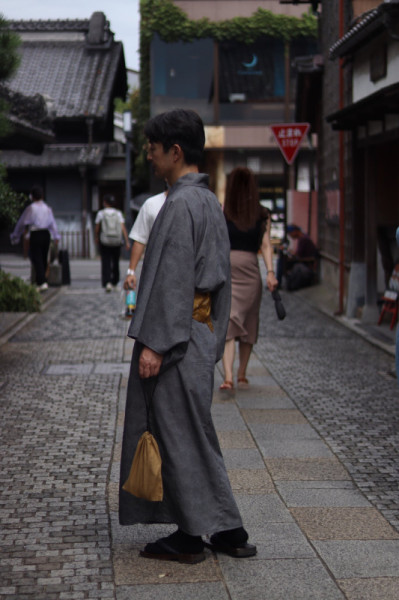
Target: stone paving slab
[(379, 588), (88, 369), (73, 369), (226, 417), (271, 399), (343, 523), (185, 591), (356, 558), (289, 441), (251, 481), (319, 493), (306, 469), (302, 579), (281, 417), (282, 541), (235, 439), (243, 458), (259, 510)]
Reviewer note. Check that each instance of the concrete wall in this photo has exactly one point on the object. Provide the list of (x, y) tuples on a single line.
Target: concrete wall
[(219, 10), (298, 212)]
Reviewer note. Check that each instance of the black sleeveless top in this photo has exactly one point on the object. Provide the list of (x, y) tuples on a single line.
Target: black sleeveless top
[(251, 239)]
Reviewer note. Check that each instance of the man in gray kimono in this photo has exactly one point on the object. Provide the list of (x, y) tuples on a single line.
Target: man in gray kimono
[(179, 325)]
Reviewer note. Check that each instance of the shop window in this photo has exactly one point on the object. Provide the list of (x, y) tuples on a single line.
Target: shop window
[(182, 76), (251, 82)]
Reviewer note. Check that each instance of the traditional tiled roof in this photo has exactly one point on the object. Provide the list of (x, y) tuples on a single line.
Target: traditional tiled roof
[(367, 26), (76, 64), (51, 25), (28, 113), (55, 156)]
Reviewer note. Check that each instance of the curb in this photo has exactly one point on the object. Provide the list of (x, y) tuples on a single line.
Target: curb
[(26, 317), (352, 325)]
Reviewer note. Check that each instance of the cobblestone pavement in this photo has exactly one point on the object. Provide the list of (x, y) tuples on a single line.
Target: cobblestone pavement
[(59, 381), (347, 390), (62, 385)]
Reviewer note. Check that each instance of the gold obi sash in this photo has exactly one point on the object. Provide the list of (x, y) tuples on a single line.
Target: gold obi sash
[(202, 308)]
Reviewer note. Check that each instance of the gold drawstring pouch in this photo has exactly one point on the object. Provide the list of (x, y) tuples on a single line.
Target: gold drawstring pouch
[(145, 477), (202, 308)]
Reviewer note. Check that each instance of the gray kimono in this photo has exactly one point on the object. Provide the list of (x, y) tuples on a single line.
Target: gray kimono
[(188, 251)]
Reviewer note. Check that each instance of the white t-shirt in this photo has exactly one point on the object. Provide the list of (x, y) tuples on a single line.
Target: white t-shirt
[(140, 232)]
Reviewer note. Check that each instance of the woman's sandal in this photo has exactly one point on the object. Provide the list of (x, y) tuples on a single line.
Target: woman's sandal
[(242, 383), (227, 385)]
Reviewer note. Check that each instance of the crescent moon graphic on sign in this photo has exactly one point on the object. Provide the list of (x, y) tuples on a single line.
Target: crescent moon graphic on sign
[(252, 63)]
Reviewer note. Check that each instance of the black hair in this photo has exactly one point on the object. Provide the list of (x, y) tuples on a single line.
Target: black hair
[(182, 127), (241, 203), (36, 192), (109, 199)]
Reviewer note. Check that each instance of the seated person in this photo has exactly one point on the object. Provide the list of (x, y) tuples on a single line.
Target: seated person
[(298, 267)]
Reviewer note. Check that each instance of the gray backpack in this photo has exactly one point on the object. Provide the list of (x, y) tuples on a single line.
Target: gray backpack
[(111, 230)]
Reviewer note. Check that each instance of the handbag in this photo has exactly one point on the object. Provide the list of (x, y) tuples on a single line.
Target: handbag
[(145, 477)]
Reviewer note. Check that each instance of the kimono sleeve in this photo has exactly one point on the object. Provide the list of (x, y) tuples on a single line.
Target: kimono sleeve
[(163, 315)]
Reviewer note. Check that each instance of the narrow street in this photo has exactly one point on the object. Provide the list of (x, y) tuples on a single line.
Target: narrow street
[(311, 449)]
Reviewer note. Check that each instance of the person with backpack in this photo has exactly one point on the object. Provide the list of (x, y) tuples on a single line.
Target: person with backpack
[(110, 232)]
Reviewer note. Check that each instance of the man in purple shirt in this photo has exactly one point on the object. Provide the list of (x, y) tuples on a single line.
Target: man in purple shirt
[(38, 220)]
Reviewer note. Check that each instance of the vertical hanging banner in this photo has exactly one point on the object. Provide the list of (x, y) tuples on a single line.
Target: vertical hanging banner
[(289, 137)]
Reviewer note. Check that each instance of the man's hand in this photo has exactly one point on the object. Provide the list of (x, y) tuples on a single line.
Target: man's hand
[(149, 363), (130, 282)]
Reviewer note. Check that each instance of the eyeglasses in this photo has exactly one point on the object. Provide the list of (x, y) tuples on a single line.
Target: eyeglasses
[(148, 148)]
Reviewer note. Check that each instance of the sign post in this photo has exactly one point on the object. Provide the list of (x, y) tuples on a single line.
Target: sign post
[(289, 137)]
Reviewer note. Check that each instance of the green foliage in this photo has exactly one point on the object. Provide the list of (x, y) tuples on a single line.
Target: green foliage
[(9, 58), (11, 203), (17, 296), (132, 103), (9, 61), (172, 24), (120, 105)]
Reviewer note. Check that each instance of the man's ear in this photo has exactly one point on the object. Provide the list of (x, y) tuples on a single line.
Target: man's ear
[(177, 153)]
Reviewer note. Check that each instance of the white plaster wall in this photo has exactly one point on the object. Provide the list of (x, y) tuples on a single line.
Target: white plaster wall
[(362, 84)]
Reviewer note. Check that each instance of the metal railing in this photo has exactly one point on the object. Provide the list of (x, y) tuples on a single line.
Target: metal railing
[(76, 242)]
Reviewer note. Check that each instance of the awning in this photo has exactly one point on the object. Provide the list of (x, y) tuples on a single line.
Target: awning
[(373, 108)]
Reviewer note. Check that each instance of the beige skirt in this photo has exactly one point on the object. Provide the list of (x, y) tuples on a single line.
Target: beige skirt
[(246, 292)]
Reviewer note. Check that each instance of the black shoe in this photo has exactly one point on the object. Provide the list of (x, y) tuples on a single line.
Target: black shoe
[(232, 542), (178, 546)]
